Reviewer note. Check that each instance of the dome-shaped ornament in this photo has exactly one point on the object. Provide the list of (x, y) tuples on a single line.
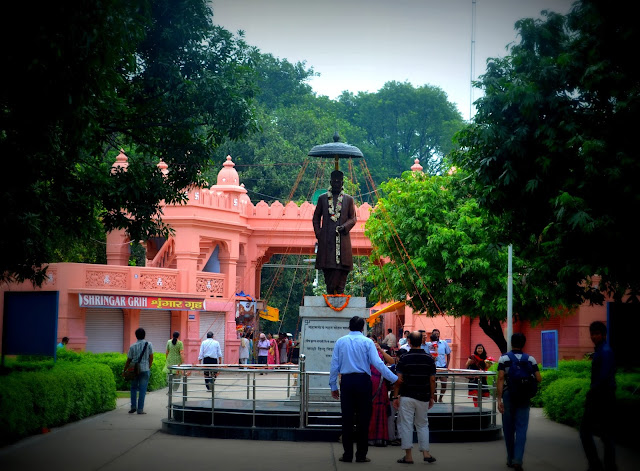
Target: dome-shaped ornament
[(335, 150)]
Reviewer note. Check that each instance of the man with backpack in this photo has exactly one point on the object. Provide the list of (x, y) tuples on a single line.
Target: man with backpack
[(518, 378)]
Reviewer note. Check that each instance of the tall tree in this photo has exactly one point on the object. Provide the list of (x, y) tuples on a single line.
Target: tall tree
[(446, 255), (404, 123), (554, 153), (273, 163), (155, 77), (281, 83)]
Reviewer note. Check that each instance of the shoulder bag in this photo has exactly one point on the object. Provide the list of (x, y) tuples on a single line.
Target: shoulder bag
[(133, 371)]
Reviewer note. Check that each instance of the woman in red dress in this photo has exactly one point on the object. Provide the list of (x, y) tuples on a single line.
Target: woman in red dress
[(477, 361)]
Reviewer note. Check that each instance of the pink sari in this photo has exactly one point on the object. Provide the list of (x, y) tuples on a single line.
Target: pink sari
[(272, 358), (378, 426)]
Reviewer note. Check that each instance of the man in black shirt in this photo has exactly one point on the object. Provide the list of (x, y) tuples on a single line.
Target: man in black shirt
[(414, 395)]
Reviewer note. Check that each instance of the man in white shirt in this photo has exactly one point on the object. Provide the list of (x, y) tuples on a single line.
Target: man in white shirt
[(404, 340), (389, 340), (210, 354), (353, 356)]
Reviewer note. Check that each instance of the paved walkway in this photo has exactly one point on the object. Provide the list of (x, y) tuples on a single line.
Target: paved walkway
[(120, 441)]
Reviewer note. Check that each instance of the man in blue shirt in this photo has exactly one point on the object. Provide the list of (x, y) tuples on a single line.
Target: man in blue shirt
[(353, 356), (442, 361), (599, 407), (64, 342)]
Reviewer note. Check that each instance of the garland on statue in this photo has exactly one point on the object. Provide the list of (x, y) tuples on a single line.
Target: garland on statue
[(334, 213), (340, 308)]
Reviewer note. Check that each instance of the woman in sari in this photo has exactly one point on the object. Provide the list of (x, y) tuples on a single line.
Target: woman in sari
[(272, 358), (379, 424)]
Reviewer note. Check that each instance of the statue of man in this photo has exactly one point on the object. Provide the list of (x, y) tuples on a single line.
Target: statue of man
[(334, 217)]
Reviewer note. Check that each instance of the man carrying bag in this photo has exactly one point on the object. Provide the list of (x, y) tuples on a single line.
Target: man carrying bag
[(143, 351)]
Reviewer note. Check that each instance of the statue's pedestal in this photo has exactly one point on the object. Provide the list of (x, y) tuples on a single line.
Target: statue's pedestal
[(321, 327)]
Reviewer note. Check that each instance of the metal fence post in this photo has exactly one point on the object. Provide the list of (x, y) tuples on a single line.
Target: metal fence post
[(253, 414), (302, 382), (170, 394), (213, 395)]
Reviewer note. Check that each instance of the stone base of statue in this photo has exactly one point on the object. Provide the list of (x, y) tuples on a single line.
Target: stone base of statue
[(321, 326)]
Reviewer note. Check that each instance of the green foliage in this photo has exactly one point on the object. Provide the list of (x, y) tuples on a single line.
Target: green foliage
[(492, 380), (158, 378), (115, 361), (564, 401), (566, 369), (70, 391), (563, 391), (29, 363), (273, 163), (358, 281), (154, 77), (281, 83), (284, 288), (402, 123), (553, 152), (35, 393), (138, 257), (445, 252)]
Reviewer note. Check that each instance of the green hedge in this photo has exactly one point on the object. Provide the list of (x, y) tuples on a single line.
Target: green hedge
[(564, 390), (564, 400), (566, 369), (116, 362), (33, 400)]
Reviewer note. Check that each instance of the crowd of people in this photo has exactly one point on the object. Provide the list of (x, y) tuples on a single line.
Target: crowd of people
[(269, 349), (386, 392), (401, 382)]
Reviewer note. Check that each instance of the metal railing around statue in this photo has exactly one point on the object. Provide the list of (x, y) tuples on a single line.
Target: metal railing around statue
[(289, 396)]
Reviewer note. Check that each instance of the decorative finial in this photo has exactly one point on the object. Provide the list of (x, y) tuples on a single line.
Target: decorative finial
[(164, 168), (122, 161)]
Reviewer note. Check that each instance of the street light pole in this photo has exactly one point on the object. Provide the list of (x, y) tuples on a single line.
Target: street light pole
[(509, 300)]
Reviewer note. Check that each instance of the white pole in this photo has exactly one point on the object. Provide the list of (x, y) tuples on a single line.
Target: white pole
[(509, 300), (473, 57)]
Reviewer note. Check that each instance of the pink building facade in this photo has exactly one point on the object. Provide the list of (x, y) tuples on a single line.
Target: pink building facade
[(571, 333), (220, 243), (190, 280)]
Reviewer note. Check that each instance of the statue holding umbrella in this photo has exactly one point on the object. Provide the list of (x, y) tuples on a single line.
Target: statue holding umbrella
[(333, 219)]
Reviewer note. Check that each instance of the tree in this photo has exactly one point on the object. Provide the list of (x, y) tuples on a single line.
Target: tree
[(446, 254), (273, 163), (403, 123), (281, 83), (284, 287), (154, 77), (554, 153)]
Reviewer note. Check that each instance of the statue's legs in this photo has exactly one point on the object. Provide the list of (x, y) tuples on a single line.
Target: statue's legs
[(336, 280)]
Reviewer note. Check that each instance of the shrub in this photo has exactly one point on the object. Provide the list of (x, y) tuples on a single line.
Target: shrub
[(30, 401), (158, 379), (564, 401), (566, 369), (116, 361)]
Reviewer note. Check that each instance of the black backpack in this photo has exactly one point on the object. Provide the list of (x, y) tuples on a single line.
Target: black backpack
[(521, 380)]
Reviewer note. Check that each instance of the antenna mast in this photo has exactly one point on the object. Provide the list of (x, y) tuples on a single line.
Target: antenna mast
[(473, 56)]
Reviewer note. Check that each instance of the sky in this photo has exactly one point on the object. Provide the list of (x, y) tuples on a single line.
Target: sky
[(359, 45)]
